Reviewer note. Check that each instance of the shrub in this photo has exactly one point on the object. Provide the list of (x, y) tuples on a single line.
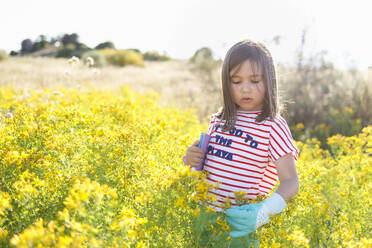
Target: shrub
[(122, 57), (131, 57), (103, 45), (206, 69), (27, 46), (202, 53), (155, 56), (338, 122), (203, 60), (67, 51), (73, 49), (100, 169), (109, 55), (99, 58), (317, 93)]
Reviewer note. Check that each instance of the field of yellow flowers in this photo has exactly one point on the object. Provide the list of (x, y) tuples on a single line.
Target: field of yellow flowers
[(89, 168)]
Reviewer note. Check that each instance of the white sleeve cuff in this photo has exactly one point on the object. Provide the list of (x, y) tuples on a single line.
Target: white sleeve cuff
[(274, 204)]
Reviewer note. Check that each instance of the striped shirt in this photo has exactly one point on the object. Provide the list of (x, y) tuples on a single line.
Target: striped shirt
[(242, 159)]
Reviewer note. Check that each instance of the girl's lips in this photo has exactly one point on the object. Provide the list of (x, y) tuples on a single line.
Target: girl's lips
[(246, 99)]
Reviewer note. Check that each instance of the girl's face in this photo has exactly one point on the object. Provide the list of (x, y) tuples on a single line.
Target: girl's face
[(247, 87)]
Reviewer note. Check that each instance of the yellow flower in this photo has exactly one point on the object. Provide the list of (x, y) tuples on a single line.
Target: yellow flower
[(300, 126), (100, 131), (195, 212), (141, 244), (348, 110), (299, 238), (209, 209), (366, 242), (4, 202), (180, 203), (3, 233), (132, 234), (142, 221)]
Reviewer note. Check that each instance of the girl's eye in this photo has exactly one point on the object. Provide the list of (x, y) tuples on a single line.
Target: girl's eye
[(237, 82)]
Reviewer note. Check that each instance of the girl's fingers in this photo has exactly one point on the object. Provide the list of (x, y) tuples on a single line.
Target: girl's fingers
[(196, 161), (194, 164), (199, 157), (194, 158), (196, 149), (195, 153)]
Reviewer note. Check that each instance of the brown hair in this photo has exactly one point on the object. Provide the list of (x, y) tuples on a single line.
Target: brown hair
[(257, 54)]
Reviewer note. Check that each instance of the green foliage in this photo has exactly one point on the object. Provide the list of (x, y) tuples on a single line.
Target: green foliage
[(202, 54), (155, 56), (66, 169), (81, 50), (27, 46), (70, 39), (131, 58), (338, 122), (107, 44), (13, 53), (205, 67), (122, 57), (98, 57), (134, 49), (3, 55), (204, 62), (70, 46), (100, 169), (66, 51), (71, 49), (324, 100), (40, 43)]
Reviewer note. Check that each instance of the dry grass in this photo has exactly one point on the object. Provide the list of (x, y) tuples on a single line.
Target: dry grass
[(173, 80)]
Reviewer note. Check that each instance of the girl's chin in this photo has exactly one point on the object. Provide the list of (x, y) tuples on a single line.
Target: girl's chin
[(248, 109)]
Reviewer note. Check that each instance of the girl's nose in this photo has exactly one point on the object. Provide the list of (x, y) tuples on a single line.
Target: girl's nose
[(246, 87)]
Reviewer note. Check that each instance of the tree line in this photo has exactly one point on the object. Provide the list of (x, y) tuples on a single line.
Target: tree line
[(68, 45)]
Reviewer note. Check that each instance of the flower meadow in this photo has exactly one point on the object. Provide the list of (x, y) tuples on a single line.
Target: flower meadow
[(93, 168)]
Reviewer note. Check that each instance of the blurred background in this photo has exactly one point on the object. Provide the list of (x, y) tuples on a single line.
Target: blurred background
[(321, 49)]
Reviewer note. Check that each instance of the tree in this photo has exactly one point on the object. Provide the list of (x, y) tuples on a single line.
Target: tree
[(27, 46), (107, 44), (41, 43), (70, 38), (204, 53)]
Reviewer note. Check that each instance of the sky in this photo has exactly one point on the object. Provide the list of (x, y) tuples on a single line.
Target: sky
[(179, 28)]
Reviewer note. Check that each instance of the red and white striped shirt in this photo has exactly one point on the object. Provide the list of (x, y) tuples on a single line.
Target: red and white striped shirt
[(242, 159)]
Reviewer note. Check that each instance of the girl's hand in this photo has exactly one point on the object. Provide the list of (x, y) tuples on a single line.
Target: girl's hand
[(242, 219), (194, 155), (247, 218)]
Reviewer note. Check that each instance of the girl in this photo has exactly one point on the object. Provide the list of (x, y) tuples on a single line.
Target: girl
[(251, 146)]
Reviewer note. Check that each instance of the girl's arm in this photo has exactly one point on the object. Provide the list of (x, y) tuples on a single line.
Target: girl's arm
[(288, 178), (287, 189), (246, 218)]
